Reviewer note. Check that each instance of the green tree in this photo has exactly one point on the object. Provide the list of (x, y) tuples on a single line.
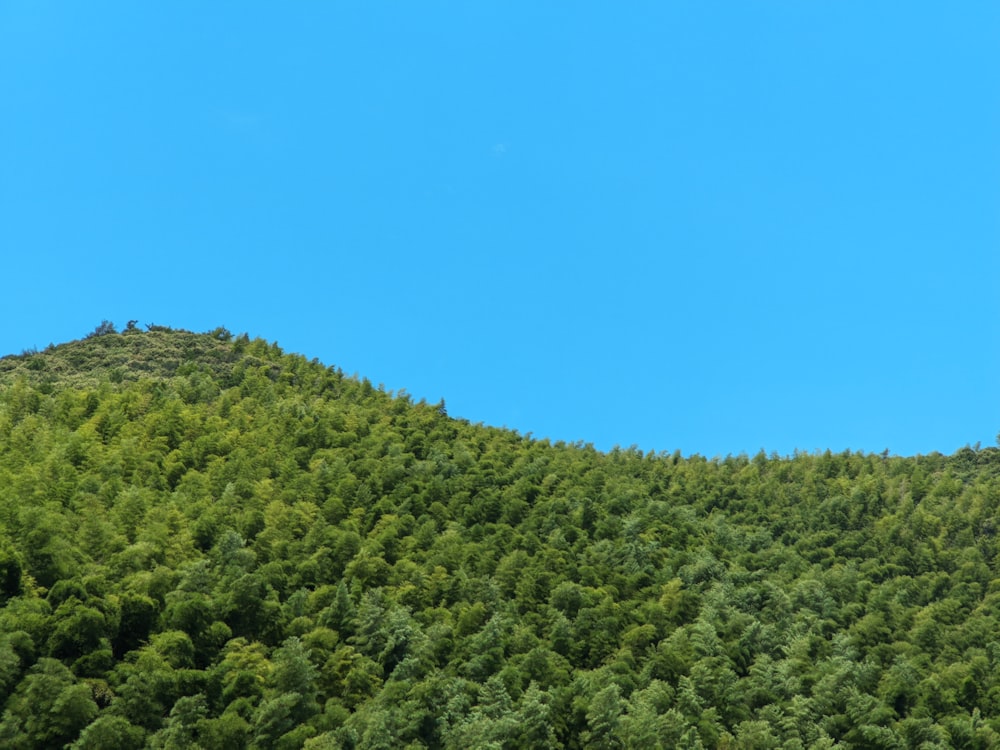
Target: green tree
[(534, 720), (48, 708), (181, 729), (604, 716), (109, 731)]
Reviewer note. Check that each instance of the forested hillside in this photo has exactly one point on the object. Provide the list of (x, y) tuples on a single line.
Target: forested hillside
[(205, 542)]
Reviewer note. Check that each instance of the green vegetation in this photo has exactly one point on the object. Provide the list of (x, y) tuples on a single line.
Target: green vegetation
[(205, 542)]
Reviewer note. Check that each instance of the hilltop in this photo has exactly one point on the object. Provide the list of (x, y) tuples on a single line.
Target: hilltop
[(206, 541), (129, 356)]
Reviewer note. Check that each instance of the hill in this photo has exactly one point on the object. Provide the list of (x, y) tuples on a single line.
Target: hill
[(207, 542)]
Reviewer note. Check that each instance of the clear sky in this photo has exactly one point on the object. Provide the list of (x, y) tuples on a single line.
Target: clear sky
[(707, 226)]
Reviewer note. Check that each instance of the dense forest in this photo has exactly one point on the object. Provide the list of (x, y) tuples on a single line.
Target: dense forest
[(207, 542)]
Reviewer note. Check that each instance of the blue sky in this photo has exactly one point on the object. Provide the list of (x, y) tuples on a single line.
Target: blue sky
[(707, 226)]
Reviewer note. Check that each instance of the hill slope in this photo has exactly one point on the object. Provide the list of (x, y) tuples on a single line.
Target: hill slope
[(205, 541)]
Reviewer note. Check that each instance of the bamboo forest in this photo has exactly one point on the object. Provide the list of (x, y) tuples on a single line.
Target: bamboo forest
[(207, 542)]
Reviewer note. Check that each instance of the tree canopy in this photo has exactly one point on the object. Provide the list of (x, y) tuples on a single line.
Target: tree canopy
[(207, 542)]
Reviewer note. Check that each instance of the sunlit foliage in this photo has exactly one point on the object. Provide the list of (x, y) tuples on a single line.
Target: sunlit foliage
[(205, 542)]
